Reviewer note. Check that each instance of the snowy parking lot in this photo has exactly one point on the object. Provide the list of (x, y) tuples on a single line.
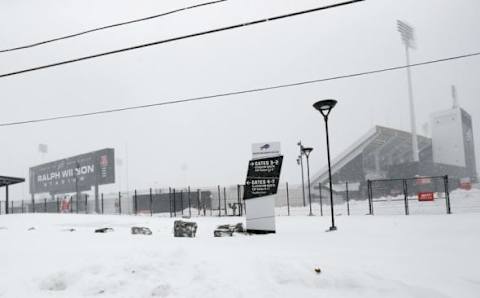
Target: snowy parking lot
[(369, 256)]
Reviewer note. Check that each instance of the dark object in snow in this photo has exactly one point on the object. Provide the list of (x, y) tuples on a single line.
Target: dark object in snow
[(69, 230), (3, 228), (31, 229), (317, 270), (228, 230), (141, 231), (104, 230), (184, 229)]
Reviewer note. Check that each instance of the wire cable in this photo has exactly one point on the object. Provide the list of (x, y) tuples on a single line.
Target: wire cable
[(251, 23), (36, 44), (222, 95)]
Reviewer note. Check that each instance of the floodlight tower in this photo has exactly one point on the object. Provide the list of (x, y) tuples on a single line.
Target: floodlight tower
[(406, 31)]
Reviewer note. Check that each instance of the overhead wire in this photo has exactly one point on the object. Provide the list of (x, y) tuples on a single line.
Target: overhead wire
[(36, 44), (202, 33), (227, 94)]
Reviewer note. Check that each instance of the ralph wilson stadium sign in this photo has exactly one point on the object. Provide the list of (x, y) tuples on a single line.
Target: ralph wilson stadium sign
[(77, 173)]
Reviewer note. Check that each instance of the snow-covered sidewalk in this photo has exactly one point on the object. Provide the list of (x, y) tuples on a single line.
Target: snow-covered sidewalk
[(380, 256)]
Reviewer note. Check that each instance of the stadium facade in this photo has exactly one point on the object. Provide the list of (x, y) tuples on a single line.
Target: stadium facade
[(384, 153)]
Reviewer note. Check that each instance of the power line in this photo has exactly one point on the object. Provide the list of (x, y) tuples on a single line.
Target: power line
[(221, 95), (36, 44), (251, 23)]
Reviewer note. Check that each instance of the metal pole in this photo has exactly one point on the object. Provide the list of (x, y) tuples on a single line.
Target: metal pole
[(45, 205), (86, 204), (6, 200), (303, 179), (189, 203), (181, 200), (225, 200), (198, 202), (219, 202), (333, 227), (447, 194), (102, 203), (348, 198), (174, 203), (151, 202), (170, 199), (321, 199), (309, 188), (135, 202), (405, 193), (288, 200), (120, 203), (33, 202)]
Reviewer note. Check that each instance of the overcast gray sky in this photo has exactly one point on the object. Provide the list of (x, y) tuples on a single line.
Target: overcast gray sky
[(208, 143)]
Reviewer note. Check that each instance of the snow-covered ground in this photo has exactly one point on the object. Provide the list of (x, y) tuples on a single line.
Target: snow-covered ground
[(369, 256)]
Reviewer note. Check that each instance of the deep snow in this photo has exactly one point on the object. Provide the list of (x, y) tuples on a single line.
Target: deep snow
[(369, 256)]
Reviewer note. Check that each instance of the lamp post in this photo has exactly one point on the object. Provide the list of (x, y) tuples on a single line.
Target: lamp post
[(300, 162), (306, 151), (406, 31), (325, 107)]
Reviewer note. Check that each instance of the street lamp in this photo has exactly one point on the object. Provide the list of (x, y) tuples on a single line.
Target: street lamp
[(406, 31), (325, 107), (300, 162), (306, 151)]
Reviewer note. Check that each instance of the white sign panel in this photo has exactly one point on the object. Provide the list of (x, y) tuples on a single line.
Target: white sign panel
[(260, 215), (267, 149)]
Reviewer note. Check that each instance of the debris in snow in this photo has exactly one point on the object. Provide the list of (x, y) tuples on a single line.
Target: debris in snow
[(104, 230), (184, 229), (228, 230), (31, 229), (141, 231), (317, 270), (69, 230), (3, 228)]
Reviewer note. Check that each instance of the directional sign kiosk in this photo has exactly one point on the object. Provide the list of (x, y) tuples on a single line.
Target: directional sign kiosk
[(260, 187)]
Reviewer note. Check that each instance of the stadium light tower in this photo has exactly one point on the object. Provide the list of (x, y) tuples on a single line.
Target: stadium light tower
[(325, 107), (307, 151), (406, 32)]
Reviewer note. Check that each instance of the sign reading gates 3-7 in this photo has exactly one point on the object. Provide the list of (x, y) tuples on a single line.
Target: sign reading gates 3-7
[(79, 172), (263, 177)]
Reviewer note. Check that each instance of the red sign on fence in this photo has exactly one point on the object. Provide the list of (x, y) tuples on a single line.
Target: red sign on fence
[(426, 196)]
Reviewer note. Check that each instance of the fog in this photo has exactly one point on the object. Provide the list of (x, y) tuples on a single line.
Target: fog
[(208, 142)]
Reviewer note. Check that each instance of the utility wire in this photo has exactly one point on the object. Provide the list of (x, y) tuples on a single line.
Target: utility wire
[(221, 95), (36, 44), (251, 23)]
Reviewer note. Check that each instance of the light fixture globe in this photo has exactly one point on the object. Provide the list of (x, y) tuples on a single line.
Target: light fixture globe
[(325, 106)]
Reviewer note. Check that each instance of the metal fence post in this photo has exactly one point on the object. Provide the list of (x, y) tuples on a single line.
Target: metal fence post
[(120, 203), (45, 205), (321, 199), (189, 203), (405, 193), (370, 196), (198, 202), (348, 198), (71, 204), (219, 202), (58, 205), (151, 202), (102, 203), (447, 194), (86, 204), (225, 200), (170, 199), (181, 200), (135, 202), (174, 203), (288, 200)]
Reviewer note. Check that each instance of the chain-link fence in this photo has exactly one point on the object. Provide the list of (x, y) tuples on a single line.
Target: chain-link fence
[(425, 195)]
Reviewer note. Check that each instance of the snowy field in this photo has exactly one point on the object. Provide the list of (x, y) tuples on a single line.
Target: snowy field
[(369, 256)]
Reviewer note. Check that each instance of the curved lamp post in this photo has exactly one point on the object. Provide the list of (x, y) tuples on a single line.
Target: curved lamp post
[(325, 107), (306, 151)]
